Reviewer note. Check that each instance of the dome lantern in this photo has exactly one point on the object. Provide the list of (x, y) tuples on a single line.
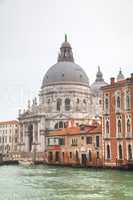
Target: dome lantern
[(66, 53)]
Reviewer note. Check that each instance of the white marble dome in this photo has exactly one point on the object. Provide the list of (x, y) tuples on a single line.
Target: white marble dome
[(66, 73)]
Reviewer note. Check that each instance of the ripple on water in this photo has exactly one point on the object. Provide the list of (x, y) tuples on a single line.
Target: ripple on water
[(48, 183)]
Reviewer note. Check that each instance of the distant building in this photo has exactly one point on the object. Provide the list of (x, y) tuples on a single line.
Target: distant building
[(9, 138), (118, 122), (75, 146)]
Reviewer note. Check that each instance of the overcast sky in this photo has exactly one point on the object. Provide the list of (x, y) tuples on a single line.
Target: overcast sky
[(31, 32)]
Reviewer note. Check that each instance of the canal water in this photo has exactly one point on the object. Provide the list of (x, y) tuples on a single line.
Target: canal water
[(60, 183)]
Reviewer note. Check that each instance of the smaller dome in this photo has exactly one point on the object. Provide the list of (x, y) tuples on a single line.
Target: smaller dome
[(120, 76), (99, 82)]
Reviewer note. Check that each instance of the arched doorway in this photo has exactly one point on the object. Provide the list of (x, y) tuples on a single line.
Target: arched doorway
[(30, 137)]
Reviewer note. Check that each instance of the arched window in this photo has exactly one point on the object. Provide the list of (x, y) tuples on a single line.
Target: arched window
[(128, 126), (67, 104), (60, 124), (108, 152), (118, 102), (90, 157), (119, 126), (56, 126), (129, 152), (58, 106), (120, 151), (127, 100), (107, 127)]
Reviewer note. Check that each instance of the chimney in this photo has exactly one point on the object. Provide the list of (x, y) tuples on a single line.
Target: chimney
[(112, 80)]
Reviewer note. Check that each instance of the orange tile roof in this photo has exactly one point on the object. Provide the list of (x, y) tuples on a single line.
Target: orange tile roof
[(96, 130), (75, 131)]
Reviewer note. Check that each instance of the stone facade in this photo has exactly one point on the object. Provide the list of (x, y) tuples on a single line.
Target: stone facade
[(9, 139)]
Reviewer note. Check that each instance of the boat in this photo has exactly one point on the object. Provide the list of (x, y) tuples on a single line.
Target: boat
[(26, 162)]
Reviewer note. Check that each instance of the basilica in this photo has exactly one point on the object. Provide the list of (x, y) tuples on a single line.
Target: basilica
[(65, 99)]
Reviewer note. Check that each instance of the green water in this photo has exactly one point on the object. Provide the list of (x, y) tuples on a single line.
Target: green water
[(56, 183)]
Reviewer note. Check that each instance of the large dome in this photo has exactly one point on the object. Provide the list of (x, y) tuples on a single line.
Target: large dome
[(65, 71)]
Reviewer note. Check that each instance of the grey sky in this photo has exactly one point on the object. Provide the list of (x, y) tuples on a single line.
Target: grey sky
[(31, 32)]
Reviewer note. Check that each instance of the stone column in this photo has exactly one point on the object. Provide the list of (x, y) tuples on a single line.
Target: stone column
[(35, 136), (42, 134), (19, 137), (26, 138)]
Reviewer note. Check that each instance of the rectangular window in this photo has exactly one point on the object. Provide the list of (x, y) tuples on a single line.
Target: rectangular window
[(53, 141), (97, 141), (61, 141), (89, 140)]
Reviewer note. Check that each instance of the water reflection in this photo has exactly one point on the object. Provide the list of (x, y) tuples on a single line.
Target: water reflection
[(48, 183)]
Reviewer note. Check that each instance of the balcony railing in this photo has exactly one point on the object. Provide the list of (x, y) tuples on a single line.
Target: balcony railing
[(119, 135), (106, 112), (106, 136), (128, 135), (118, 110)]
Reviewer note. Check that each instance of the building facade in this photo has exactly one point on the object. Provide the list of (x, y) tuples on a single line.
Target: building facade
[(118, 122), (9, 139), (65, 94), (75, 146)]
